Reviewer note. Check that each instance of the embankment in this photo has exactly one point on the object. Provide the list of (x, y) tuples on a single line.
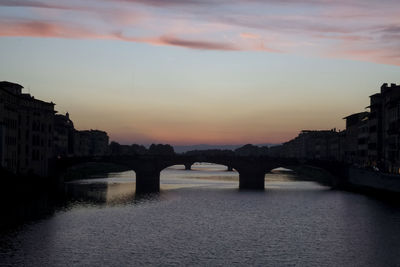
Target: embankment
[(372, 180), (352, 179)]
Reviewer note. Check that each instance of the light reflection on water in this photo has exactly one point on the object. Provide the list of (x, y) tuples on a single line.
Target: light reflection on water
[(201, 218), (120, 187)]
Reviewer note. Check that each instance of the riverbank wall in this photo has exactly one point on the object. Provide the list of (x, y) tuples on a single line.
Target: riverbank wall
[(372, 180), (351, 179), (27, 197)]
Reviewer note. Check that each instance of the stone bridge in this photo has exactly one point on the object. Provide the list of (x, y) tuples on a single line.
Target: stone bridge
[(251, 169)]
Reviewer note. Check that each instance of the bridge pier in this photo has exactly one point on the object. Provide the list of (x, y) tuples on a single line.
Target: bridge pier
[(250, 179), (147, 181), (251, 169), (188, 166)]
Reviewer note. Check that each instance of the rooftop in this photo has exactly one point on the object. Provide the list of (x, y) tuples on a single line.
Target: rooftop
[(4, 84), (357, 115)]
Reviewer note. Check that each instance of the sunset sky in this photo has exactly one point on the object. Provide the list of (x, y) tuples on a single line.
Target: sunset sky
[(202, 71)]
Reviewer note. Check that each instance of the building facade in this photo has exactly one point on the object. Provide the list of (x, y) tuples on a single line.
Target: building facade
[(312, 145), (375, 130), (90, 143), (27, 126), (390, 149), (63, 136), (355, 148), (31, 134), (372, 139)]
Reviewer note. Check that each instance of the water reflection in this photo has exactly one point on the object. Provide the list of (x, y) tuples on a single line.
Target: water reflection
[(197, 217), (119, 188)]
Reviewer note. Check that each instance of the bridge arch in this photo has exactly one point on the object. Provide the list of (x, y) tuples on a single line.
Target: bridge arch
[(93, 169), (330, 173), (196, 165), (226, 167), (251, 170), (148, 167), (86, 166)]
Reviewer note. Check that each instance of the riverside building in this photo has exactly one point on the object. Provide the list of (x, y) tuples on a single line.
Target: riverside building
[(26, 131), (91, 143), (384, 139), (63, 136), (312, 145), (355, 150), (378, 131)]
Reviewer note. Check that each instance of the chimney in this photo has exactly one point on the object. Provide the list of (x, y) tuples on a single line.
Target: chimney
[(384, 87)]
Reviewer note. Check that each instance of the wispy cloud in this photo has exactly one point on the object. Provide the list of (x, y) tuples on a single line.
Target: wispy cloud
[(361, 30), (42, 29), (37, 4), (196, 44), (247, 35), (47, 29), (164, 3)]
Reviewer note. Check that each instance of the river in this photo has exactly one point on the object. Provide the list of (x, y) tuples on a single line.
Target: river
[(200, 218)]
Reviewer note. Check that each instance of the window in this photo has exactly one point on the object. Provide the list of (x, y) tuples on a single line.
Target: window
[(35, 155)]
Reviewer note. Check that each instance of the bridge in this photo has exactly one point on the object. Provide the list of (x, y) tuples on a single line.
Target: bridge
[(251, 169)]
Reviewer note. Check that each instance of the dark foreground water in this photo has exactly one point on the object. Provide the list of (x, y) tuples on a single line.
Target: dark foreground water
[(201, 218)]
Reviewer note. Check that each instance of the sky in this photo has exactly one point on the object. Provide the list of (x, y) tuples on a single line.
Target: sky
[(201, 71)]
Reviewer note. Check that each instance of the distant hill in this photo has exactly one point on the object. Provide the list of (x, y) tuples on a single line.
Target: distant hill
[(181, 149)]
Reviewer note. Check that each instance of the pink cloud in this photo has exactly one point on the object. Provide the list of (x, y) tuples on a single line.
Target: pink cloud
[(387, 55), (42, 29), (36, 4), (196, 44), (390, 58), (344, 37), (247, 35), (327, 28), (163, 3), (47, 29)]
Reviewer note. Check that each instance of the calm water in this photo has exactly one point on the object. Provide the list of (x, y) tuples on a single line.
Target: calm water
[(201, 218)]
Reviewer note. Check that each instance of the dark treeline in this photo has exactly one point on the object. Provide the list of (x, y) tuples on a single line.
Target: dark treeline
[(246, 150), (135, 149), (117, 149)]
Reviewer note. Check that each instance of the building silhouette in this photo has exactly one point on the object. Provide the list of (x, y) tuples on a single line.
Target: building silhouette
[(378, 131), (90, 143), (385, 119), (63, 136), (355, 144), (371, 139), (312, 145), (26, 131), (69, 142), (31, 133)]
